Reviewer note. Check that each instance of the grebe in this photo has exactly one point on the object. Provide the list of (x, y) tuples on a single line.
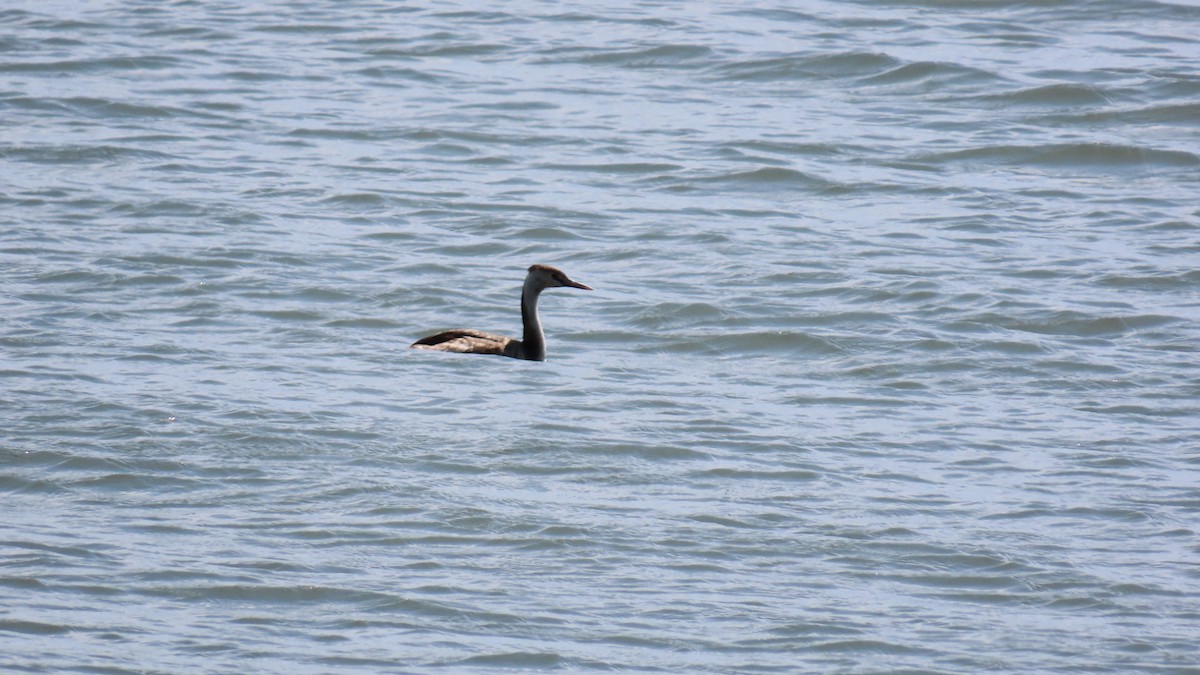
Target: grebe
[(533, 345)]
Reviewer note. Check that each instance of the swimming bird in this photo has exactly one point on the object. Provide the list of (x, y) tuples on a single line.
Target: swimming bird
[(531, 347)]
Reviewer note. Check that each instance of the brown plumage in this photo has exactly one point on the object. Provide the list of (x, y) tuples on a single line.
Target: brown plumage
[(531, 347)]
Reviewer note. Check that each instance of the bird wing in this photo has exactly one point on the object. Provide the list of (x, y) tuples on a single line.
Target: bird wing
[(464, 341)]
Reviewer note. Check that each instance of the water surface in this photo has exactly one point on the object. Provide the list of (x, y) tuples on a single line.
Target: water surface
[(891, 362)]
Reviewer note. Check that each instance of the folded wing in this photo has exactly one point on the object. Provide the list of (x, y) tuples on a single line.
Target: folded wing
[(465, 341)]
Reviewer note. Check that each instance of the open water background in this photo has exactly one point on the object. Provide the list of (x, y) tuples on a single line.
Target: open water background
[(893, 361)]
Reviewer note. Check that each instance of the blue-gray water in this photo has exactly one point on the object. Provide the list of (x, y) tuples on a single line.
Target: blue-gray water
[(892, 362)]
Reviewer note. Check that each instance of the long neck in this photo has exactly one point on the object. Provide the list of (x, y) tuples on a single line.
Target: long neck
[(533, 341)]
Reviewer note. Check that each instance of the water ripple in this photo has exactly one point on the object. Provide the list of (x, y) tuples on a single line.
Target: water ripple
[(890, 363)]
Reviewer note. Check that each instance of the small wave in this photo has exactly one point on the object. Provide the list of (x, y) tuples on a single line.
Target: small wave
[(1175, 114), (363, 323), (807, 67), (924, 71), (511, 106), (1013, 347), (326, 133), (34, 104), (675, 315), (617, 168), (79, 277), (79, 154), (651, 451), (1080, 325), (300, 28), (1053, 95), (872, 402), (1008, 34), (484, 249), (102, 107), (771, 177), (486, 138), (161, 207), (481, 16), (579, 17), (195, 33), (33, 627), (661, 56), (788, 148), (775, 14), (317, 294), (267, 76), (514, 660), (772, 342), (398, 73), (1139, 410), (358, 200), (43, 373), (481, 49), (1093, 155), (547, 234), (290, 315), (141, 280), (391, 235), (892, 649), (119, 63), (786, 476), (1151, 282), (21, 485), (1104, 154)]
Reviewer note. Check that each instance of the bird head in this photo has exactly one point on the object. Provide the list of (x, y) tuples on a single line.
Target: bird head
[(552, 277)]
